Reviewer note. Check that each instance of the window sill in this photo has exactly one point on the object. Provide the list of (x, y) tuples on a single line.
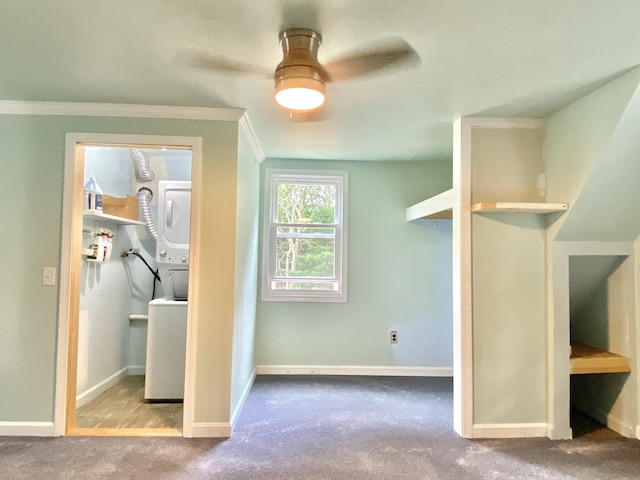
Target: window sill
[(302, 298)]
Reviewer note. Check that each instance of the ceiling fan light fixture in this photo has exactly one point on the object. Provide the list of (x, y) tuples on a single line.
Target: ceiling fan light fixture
[(299, 93)]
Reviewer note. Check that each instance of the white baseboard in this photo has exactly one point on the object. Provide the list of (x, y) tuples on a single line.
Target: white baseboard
[(27, 429), (213, 430), (559, 434), (243, 398), (136, 370), (509, 430), (354, 370), (91, 393)]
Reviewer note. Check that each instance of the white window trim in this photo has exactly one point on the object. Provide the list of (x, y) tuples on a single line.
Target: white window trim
[(272, 177)]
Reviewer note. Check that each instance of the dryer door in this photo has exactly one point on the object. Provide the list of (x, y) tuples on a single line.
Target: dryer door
[(176, 217)]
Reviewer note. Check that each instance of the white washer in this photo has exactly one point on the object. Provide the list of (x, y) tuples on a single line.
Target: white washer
[(166, 347)]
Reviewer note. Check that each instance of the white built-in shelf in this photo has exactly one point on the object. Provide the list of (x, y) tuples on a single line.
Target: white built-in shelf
[(439, 206), (586, 359), (519, 207), (110, 218)]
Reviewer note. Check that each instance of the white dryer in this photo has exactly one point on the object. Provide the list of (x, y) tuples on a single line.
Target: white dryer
[(172, 248)]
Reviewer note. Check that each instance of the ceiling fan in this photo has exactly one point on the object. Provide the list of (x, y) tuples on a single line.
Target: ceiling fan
[(300, 79)]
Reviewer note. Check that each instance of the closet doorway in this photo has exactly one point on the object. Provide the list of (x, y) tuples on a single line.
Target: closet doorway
[(601, 306), (105, 301), (593, 352)]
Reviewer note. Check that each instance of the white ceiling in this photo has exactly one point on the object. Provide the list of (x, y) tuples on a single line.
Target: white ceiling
[(478, 57)]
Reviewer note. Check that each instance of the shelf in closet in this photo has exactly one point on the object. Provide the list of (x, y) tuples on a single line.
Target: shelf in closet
[(110, 218), (519, 207), (587, 359), (437, 207)]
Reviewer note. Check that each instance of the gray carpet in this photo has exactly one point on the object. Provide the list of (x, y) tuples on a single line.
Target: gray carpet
[(327, 428)]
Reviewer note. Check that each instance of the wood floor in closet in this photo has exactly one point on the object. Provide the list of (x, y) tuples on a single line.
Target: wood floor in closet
[(584, 426), (123, 406)]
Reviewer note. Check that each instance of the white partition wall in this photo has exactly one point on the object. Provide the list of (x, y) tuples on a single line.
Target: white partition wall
[(504, 272), (500, 215)]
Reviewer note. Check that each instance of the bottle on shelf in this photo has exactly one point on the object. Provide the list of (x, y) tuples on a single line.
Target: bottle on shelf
[(101, 245), (107, 237), (98, 248), (92, 195)]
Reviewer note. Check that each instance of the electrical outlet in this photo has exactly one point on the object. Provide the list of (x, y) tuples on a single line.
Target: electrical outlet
[(393, 336), (49, 276)]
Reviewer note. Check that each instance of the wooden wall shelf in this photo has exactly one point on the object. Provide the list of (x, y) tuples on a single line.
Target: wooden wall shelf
[(519, 207), (437, 207), (586, 359)]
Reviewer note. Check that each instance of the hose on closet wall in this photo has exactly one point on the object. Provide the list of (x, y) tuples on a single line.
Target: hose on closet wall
[(144, 200), (143, 169)]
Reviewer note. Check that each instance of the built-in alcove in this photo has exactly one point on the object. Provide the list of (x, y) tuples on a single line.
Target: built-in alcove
[(601, 332)]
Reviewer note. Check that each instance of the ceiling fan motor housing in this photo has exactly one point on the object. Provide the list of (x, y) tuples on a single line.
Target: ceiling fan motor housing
[(299, 67)]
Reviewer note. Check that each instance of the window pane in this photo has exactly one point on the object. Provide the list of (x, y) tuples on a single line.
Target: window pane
[(299, 203), (305, 252)]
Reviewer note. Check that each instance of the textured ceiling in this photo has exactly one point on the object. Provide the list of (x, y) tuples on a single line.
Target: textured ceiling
[(478, 57)]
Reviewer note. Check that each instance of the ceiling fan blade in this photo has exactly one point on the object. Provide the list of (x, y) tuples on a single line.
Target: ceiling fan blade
[(390, 54), (222, 64)]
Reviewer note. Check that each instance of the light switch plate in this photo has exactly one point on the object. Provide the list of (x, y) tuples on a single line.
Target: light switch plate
[(49, 276)]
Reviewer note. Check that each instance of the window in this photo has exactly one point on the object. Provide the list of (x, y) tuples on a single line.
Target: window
[(305, 236)]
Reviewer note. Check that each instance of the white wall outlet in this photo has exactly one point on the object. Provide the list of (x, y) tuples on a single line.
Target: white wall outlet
[(393, 336), (49, 276)]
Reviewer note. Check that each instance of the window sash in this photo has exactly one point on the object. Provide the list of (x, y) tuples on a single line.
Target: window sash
[(273, 180), (336, 184), (278, 226)]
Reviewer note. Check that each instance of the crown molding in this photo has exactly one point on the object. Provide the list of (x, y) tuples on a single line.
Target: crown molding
[(16, 107), (499, 122), (245, 123), (11, 107)]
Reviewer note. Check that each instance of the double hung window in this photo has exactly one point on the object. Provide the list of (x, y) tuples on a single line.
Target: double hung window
[(305, 241)]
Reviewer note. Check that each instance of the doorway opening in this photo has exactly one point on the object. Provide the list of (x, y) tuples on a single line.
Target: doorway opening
[(125, 343), (602, 396)]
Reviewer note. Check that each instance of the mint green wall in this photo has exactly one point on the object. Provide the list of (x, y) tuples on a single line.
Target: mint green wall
[(508, 278), (509, 330), (399, 278), (246, 272), (591, 155), (31, 187), (31, 198), (636, 324)]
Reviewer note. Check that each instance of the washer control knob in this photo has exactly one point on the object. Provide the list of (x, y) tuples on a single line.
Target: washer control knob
[(184, 259), (163, 253)]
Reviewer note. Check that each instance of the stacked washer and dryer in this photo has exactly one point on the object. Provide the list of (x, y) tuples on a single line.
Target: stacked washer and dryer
[(167, 316)]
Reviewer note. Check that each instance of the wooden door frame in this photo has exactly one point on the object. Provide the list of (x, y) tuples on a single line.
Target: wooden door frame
[(68, 310)]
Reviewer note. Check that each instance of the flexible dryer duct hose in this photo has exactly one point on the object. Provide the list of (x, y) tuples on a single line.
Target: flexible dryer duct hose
[(143, 170), (144, 200)]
